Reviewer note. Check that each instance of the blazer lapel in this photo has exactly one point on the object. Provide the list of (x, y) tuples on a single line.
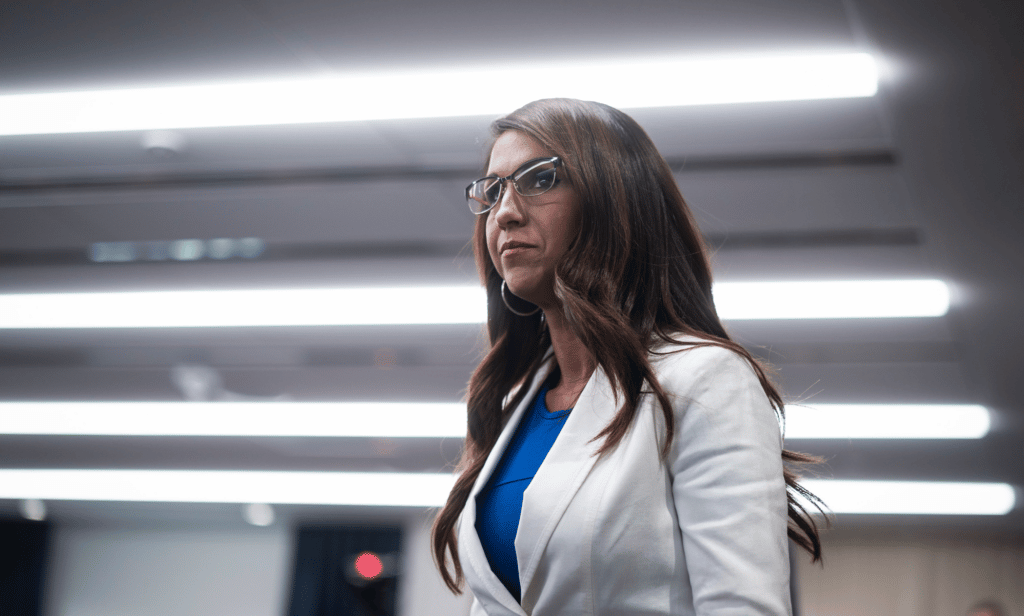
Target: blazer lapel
[(486, 586), (560, 476)]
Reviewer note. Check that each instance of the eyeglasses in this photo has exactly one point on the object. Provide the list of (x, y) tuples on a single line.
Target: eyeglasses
[(534, 177)]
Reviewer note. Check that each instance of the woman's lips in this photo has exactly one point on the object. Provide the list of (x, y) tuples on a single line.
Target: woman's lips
[(511, 248)]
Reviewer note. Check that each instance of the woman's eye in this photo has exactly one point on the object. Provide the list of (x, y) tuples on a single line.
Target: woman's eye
[(491, 192), (543, 180)]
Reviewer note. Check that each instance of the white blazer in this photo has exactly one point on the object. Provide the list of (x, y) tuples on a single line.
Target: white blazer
[(626, 534)]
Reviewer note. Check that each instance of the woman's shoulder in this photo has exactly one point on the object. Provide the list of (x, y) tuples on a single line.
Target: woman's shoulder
[(692, 350), (689, 360), (714, 387)]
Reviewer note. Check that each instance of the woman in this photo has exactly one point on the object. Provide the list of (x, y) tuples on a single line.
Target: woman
[(623, 455)]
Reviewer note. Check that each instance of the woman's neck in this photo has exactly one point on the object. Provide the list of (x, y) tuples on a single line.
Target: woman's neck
[(575, 361)]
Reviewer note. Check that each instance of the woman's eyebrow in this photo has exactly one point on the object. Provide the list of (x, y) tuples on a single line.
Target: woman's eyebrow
[(514, 169)]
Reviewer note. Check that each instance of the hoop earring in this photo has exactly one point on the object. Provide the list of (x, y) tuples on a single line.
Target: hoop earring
[(504, 298)]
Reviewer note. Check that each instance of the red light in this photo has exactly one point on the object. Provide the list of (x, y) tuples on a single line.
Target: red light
[(369, 565)]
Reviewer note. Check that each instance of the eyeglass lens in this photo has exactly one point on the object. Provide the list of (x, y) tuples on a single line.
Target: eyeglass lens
[(538, 177)]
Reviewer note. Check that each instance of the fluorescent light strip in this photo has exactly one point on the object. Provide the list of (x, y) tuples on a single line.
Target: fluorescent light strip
[(657, 81), (245, 308), (437, 305), (430, 420), (849, 299), (236, 419), (431, 490), (277, 487), (886, 421), (914, 497)]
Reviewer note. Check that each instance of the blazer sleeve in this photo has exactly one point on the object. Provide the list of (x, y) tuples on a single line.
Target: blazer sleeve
[(727, 484)]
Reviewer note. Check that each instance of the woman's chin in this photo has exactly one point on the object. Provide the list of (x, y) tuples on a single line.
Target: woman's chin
[(530, 287), (540, 299)]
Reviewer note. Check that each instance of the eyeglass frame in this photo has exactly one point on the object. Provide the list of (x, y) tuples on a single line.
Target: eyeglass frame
[(520, 171)]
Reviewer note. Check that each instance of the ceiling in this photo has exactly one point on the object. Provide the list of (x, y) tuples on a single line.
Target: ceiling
[(922, 180)]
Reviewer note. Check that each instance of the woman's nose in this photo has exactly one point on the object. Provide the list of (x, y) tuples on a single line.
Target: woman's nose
[(509, 209)]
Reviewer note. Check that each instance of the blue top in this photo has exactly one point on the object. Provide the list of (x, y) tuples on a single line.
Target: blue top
[(500, 502)]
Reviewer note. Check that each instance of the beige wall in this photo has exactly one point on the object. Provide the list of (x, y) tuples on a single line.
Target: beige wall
[(422, 593), (220, 570), (108, 570), (912, 573)]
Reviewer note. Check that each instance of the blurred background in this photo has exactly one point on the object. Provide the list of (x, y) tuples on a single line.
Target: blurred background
[(152, 500)]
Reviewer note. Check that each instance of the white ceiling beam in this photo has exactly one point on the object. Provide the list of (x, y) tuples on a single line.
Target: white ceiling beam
[(858, 299), (629, 83)]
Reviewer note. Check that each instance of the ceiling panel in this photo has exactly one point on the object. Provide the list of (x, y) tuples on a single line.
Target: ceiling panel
[(42, 158), (914, 182), (353, 211), (768, 200), (820, 262), (116, 42)]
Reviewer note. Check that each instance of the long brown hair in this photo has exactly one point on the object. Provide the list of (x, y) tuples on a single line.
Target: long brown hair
[(636, 273)]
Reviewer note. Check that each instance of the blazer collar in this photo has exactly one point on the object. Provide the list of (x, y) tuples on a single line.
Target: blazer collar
[(560, 476), (488, 589)]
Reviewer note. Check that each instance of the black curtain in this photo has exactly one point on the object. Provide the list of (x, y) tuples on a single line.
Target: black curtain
[(325, 581), (23, 549)]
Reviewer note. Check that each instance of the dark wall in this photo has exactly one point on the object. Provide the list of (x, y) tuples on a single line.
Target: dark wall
[(326, 582), (23, 551)]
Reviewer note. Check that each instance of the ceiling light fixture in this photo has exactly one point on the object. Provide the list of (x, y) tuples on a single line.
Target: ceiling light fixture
[(245, 308), (431, 490), (436, 305), (432, 420), (243, 487), (913, 497), (886, 421), (831, 299), (236, 419), (658, 81)]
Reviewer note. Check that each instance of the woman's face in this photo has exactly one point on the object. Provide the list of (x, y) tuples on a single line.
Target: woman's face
[(539, 228)]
